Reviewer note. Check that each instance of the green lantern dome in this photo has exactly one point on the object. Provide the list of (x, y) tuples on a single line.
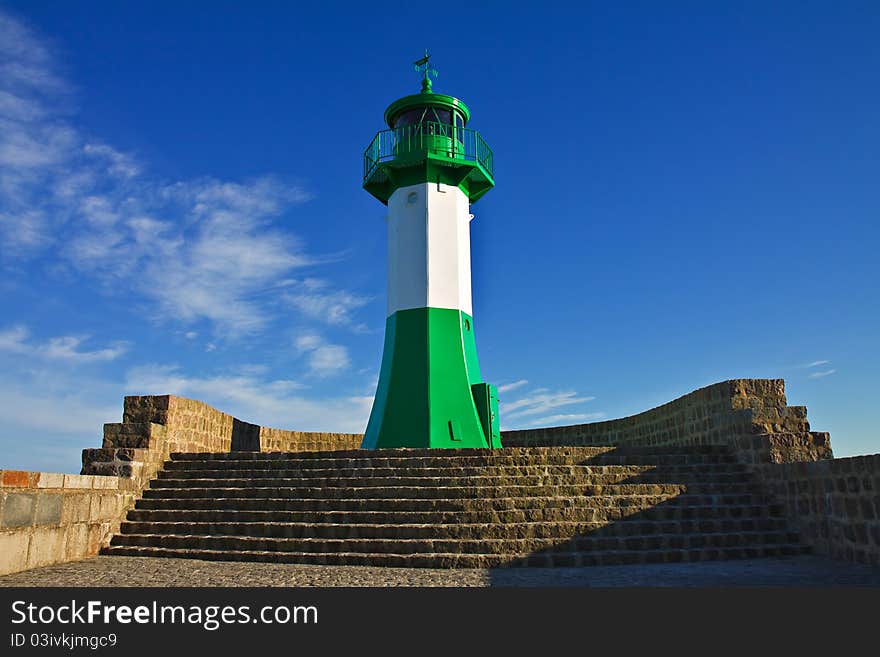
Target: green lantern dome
[(427, 141), (426, 104)]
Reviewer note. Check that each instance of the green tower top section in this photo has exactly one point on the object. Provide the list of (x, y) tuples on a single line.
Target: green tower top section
[(426, 99), (426, 141), (397, 111)]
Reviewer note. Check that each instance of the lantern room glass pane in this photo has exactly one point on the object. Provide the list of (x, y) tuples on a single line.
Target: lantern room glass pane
[(409, 117), (440, 115)]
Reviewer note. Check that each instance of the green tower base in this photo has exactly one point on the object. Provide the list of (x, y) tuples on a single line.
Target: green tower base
[(424, 397)]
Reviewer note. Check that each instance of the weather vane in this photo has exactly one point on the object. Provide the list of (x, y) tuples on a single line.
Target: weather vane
[(424, 67)]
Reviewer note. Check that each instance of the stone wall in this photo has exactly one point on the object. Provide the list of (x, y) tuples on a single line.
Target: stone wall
[(48, 518), (835, 503), (153, 427), (280, 440), (751, 416)]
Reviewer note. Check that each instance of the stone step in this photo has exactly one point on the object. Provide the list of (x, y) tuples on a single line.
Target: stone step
[(290, 460), (544, 514), (462, 507), (170, 499), (529, 452), (259, 472), (501, 546), (551, 559), (559, 530), (478, 481), (430, 492)]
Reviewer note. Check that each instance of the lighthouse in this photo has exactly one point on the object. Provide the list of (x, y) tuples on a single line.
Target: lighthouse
[(428, 168)]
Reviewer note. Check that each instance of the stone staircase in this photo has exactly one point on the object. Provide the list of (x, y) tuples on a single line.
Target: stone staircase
[(553, 506)]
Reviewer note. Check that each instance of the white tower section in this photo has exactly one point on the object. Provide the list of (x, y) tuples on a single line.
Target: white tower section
[(429, 248)]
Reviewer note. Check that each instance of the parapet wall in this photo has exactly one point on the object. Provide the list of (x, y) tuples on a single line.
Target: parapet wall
[(153, 427), (835, 504), (751, 416), (50, 518)]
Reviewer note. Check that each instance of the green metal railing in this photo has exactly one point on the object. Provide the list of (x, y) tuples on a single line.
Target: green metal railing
[(436, 138)]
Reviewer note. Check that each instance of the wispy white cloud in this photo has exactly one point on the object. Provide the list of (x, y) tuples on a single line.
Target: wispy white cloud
[(220, 267), (560, 419), (316, 299), (23, 231), (198, 249), (13, 339), (536, 408), (118, 164), (323, 359), (48, 416), (64, 348), (541, 401), (64, 412), (822, 373), (52, 404), (211, 255), (819, 374), (25, 60), (507, 387)]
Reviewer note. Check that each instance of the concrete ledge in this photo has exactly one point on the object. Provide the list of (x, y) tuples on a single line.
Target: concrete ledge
[(48, 518)]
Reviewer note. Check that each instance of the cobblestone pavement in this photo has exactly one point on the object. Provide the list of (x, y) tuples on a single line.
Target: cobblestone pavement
[(148, 571)]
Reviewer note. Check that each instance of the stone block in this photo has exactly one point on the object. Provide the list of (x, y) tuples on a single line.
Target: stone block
[(77, 542), (13, 551), (18, 509), (105, 469), (106, 483), (107, 507), (150, 408), (76, 508), (48, 509), (50, 480), (77, 481), (46, 546), (132, 434), (16, 479), (99, 536)]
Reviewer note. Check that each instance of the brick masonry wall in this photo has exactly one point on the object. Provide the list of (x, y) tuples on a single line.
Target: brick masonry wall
[(153, 427), (279, 440), (48, 518), (835, 503), (751, 416)]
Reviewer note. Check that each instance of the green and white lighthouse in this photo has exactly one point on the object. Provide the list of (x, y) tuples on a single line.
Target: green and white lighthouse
[(428, 168)]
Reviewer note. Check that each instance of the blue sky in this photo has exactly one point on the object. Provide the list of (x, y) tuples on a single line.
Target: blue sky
[(686, 193)]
